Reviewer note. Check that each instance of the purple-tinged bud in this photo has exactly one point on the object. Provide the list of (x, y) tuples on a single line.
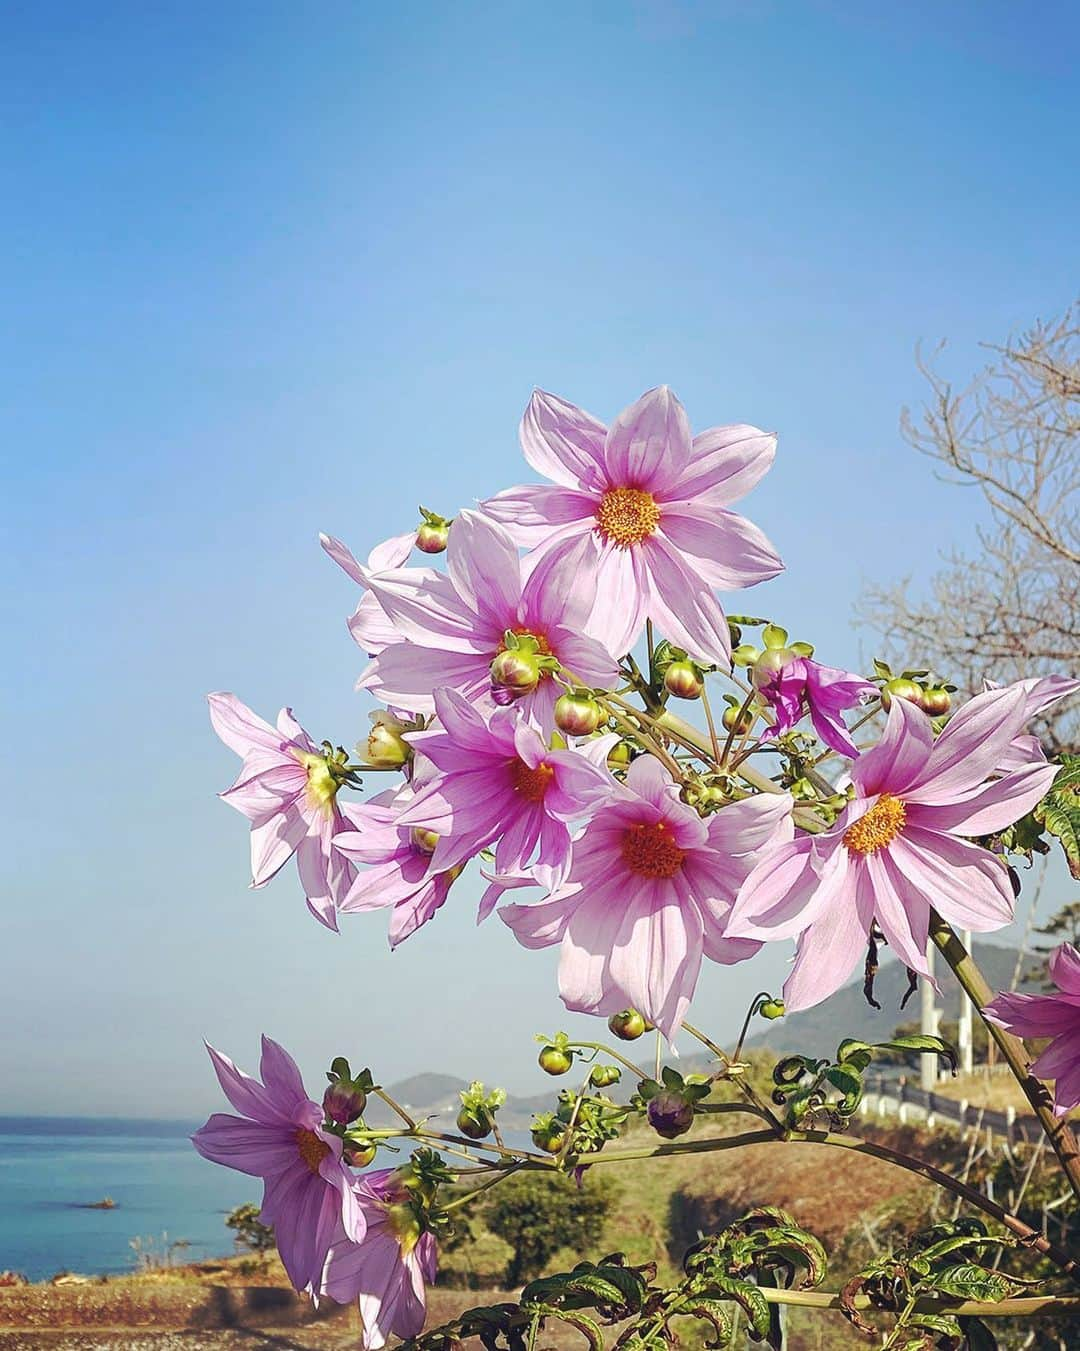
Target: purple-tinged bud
[(578, 714), (516, 670), (343, 1102), (432, 536), (936, 701), (670, 1115), (682, 680)]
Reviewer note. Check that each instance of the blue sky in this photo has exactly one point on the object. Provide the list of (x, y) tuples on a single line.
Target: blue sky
[(276, 268)]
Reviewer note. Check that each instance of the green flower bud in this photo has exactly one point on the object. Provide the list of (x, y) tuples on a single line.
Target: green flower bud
[(628, 1025), (900, 687), (578, 714), (553, 1060), (683, 681)]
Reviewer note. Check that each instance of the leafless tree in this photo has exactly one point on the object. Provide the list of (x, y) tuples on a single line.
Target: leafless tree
[(1013, 609)]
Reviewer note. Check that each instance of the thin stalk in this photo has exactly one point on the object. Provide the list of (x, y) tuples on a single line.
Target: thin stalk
[(709, 721), (1013, 1050), (1024, 1307), (615, 1055), (484, 1186), (396, 1108), (748, 1090)]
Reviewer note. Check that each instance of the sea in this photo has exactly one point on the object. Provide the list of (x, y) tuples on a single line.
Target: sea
[(169, 1200)]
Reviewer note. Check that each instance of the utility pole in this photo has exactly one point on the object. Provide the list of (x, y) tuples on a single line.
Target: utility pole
[(964, 1030), (928, 1024)]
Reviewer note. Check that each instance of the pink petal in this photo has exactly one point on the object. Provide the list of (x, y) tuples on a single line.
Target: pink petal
[(648, 444), (967, 885), (485, 569), (991, 807), (829, 951), (748, 826), (904, 915), (280, 1073), (1064, 968), (688, 614), (1033, 1015), (371, 627), (247, 1095), (900, 755), (392, 553), (248, 1147), (531, 512), (424, 606), (539, 925), (784, 893), (725, 463), (973, 743), (406, 674), (274, 842), (725, 549), (238, 727), (616, 579), (564, 443)]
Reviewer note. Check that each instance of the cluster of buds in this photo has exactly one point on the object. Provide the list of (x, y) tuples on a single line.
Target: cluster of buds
[(581, 1125), (932, 696), (477, 1116)]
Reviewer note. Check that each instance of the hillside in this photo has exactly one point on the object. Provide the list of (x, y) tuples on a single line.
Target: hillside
[(817, 1031)]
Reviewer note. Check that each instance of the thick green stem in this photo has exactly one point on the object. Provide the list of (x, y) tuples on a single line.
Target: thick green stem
[(1013, 1050), (1024, 1307)]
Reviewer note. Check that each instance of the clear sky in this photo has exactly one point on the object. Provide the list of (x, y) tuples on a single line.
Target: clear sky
[(276, 268)]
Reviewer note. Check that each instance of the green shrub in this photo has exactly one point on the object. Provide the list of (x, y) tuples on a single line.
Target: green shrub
[(539, 1214)]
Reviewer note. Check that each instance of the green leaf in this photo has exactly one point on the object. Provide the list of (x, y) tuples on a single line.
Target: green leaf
[(713, 1311), (1059, 811), (920, 1043), (969, 1281), (849, 1081), (748, 1297)]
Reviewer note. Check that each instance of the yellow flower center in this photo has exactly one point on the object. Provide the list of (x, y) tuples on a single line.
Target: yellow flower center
[(879, 827), (310, 1148), (649, 850), (404, 1226), (322, 786), (626, 516), (532, 784)]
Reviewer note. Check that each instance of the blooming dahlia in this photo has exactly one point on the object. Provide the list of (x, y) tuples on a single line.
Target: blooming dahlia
[(648, 892), (308, 1192), (638, 519), (898, 849), (388, 1270), (801, 685), (498, 782), (399, 858), (287, 788), (451, 627), (1050, 1015)]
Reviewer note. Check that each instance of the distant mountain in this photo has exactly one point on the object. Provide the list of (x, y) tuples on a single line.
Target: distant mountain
[(425, 1095), (819, 1030)]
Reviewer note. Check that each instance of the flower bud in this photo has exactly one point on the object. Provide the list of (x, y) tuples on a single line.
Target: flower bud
[(385, 748), (772, 1009), (682, 680), (516, 671), (669, 1114), (343, 1101), (550, 1138), (432, 536), (735, 722), (619, 755), (475, 1122), (554, 1060), (628, 1025), (769, 665), (357, 1155), (578, 714), (936, 701), (900, 687), (603, 1076)]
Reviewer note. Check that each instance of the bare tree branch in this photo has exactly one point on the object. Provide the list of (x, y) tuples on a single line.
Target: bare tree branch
[(1014, 610)]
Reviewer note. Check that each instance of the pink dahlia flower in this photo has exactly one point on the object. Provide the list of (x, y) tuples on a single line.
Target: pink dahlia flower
[(639, 519), (388, 1271), (399, 858), (802, 686), (368, 625), (308, 1192), (1050, 1015), (898, 849), (1040, 693), (454, 626), (648, 891), (287, 788), (498, 783)]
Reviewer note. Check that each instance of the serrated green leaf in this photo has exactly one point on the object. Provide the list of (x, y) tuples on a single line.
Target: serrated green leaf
[(849, 1082), (922, 1043), (1059, 811), (589, 1329), (748, 1297), (715, 1312)]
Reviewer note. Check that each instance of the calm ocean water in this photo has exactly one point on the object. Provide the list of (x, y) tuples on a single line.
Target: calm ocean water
[(51, 1168)]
